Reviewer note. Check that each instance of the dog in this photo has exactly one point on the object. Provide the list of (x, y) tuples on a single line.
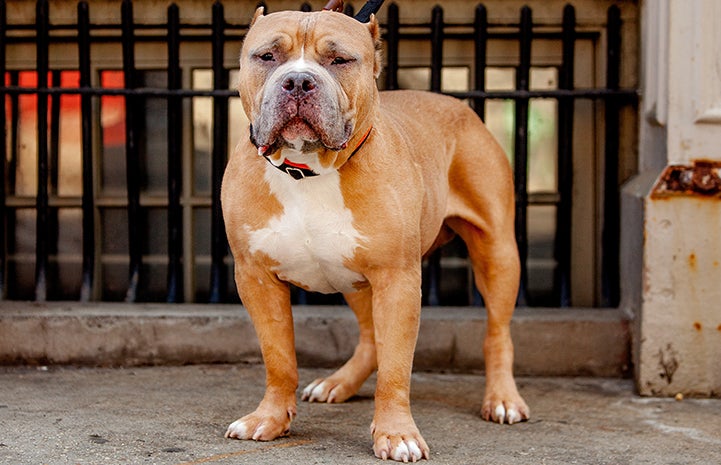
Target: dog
[(342, 188)]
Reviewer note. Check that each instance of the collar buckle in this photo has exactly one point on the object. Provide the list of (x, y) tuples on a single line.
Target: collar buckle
[(295, 170)]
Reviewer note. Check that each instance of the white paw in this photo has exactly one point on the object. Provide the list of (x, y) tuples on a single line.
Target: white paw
[(315, 392), (238, 429), (408, 447), (407, 451), (261, 427), (322, 390), (510, 416)]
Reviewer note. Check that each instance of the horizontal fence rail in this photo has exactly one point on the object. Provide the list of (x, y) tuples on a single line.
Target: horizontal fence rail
[(130, 35)]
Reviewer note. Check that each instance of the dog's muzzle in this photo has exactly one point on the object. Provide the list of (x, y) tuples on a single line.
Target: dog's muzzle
[(304, 109)]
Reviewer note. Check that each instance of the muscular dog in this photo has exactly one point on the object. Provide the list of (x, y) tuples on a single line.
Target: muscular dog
[(342, 188)]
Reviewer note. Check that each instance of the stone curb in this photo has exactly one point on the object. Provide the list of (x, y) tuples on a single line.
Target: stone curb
[(548, 342)]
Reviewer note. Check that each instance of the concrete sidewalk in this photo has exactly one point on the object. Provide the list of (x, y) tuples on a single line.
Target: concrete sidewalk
[(177, 415)]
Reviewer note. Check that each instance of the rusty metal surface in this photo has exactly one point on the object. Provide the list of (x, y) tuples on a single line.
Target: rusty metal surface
[(702, 179)]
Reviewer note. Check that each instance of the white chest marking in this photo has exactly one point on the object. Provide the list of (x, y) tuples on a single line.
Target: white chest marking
[(313, 237)]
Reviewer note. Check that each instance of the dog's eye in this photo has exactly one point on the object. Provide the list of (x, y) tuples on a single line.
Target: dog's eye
[(340, 61), (267, 57)]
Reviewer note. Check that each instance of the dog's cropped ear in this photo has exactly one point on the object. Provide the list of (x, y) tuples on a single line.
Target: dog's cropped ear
[(259, 12), (375, 32)]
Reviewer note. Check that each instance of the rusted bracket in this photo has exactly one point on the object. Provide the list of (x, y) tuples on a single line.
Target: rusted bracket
[(701, 179)]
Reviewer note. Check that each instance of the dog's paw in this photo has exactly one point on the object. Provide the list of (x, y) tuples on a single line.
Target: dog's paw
[(260, 427), (401, 447), (327, 390), (505, 411)]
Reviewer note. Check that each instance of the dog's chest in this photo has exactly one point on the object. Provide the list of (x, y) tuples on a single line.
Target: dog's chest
[(314, 237)]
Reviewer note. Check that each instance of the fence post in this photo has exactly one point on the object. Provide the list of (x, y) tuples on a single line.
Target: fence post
[(434, 270), (41, 230), (610, 286), (13, 160), (562, 242), (53, 224), (3, 151), (392, 39), (175, 167), (88, 207), (436, 48), (218, 273), (520, 159), (480, 44), (132, 155)]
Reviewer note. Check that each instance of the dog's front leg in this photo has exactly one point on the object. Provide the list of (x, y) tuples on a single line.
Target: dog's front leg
[(396, 316), (268, 303)]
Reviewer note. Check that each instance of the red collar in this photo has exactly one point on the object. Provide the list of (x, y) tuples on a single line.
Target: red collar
[(301, 170), (361, 142)]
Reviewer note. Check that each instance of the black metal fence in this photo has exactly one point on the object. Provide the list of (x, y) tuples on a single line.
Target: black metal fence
[(221, 32)]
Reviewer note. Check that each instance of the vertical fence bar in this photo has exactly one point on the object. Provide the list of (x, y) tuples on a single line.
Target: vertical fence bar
[(436, 48), (520, 160), (54, 151), (435, 270), (11, 218), (3, 152), (132, 155), (610, 286), (86, 287), (480, 62), (480, 45), (175, 168), (218, 282), (392, 41), (433, 274), (562, 243), (14, 147), (53, 174), (41, 243)]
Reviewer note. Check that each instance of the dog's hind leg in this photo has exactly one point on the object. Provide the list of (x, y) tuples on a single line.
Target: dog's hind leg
[(496, 267), (348, 379)]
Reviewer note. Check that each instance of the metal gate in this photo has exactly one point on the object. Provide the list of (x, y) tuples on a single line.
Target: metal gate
[(45, 91)]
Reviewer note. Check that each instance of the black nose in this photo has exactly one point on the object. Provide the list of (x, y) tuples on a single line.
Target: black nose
[(299, 83)]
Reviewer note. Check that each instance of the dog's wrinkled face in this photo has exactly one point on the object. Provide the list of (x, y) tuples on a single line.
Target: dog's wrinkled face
[(303, 76)]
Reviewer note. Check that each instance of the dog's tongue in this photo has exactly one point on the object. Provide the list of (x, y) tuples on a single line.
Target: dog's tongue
[(297, 129)]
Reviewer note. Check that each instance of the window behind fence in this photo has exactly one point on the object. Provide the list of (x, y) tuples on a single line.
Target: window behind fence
[(117, 130)]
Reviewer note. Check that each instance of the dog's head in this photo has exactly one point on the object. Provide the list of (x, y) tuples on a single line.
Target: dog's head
[(307, 81)]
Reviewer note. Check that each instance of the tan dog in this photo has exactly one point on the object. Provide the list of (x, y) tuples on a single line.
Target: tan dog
[(341, 188)]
